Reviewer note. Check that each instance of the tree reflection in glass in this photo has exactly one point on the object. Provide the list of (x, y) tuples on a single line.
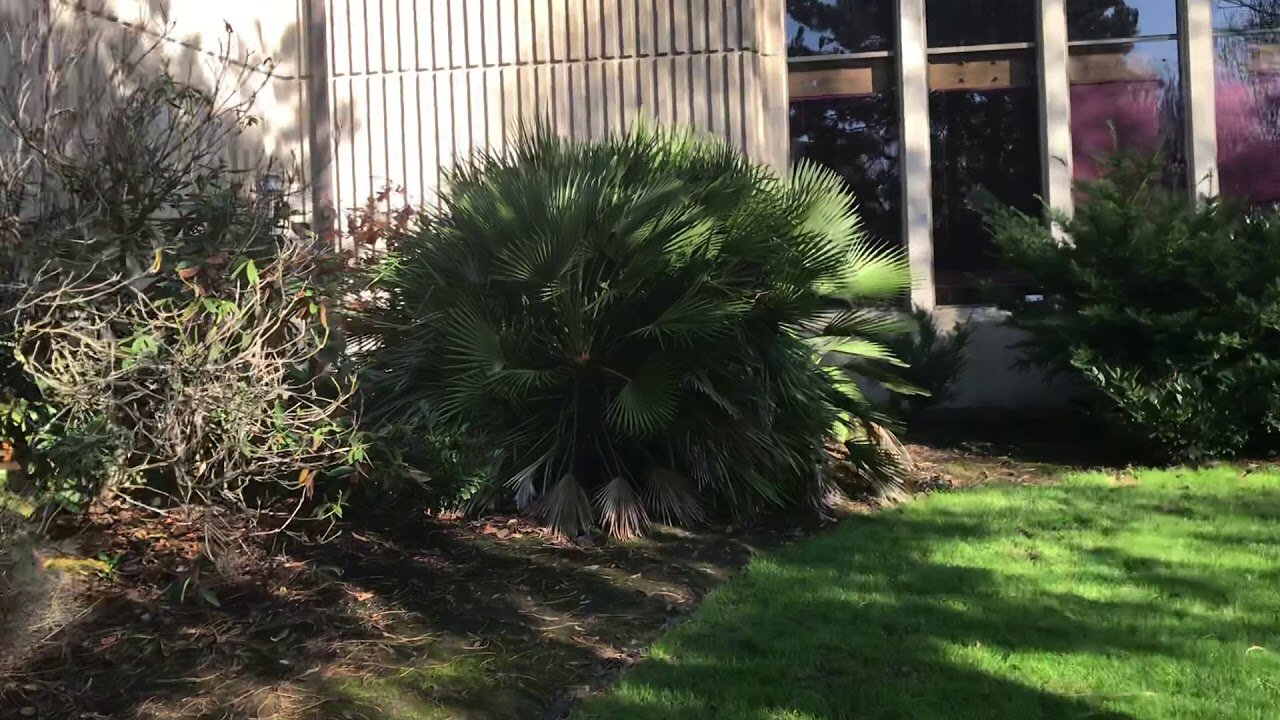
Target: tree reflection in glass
[(1113, 19), (1127, 98), (858, 138), (825, 27), (951, 23), (1247, 68), (986, 143)]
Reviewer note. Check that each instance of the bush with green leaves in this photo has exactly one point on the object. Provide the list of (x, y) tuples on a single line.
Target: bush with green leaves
[(932, 360), (637, 327), (1166, 310)]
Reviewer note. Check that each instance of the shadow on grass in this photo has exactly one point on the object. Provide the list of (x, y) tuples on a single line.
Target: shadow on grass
[(967, 611)]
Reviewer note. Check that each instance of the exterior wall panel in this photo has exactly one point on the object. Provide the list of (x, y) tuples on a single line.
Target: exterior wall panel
[(585, 67)]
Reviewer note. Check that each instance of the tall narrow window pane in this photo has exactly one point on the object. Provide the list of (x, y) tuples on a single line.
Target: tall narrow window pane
[(952, 23), (986, 145), (1248, 116), (825, 27), (1127, 98), (1110, 19), (846, 119)]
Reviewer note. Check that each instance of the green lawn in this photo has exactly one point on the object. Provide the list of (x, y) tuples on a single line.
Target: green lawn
[(1154, 596)]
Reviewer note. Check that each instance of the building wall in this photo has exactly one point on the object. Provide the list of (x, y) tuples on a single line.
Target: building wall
[(365, 95), (266, 43), (418, 86)]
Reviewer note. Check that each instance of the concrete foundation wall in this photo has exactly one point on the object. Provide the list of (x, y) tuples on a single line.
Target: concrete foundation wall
[(990, 378)]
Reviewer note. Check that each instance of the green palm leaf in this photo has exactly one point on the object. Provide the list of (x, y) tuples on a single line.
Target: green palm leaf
[(649, 400)]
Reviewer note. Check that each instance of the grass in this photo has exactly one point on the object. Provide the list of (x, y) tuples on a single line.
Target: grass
[(1152, 595)]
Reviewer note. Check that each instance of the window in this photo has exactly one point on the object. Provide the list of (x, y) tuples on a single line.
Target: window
[(985, 135), (844, 102), (986, 145), (833, 27), (856, 134), (1113, 19), (1126, 92), (952, 23), (1247, 70), (1126, 98)]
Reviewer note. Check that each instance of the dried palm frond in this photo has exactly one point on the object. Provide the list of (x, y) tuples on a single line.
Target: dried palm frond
[(566, 507), (622, 510), (877, 461), (673, 497)]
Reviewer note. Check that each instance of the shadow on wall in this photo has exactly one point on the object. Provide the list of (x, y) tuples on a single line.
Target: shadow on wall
[(251, 55)]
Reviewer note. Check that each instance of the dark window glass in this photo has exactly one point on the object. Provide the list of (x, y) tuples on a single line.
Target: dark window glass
[(857, 136), (986, 145), (951, 23), (824, 27), (1246, 14), (1248, 116), (1108, 19), (1127, 98)]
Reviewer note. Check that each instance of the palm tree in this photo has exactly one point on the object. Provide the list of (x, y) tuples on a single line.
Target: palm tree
[(636, 326)]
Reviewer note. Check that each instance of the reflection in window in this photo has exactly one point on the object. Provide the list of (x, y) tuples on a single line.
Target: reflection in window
[(986, 144), (1126, 98), (857, 136), (1248, 116), (824, 27), (1246, 14), (951, 23), (1109, 19)]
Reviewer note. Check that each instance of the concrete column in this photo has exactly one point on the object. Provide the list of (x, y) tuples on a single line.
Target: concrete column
[(774, 127), (915, 159), (1055, 104), (1196, 53), (320, 124)]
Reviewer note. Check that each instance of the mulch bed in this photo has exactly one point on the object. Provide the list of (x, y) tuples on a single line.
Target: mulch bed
[(206, 617), (201, 617)]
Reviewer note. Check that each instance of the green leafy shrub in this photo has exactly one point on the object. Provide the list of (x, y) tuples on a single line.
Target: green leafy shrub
[(1166, 310), (636, 326), (932, 361)]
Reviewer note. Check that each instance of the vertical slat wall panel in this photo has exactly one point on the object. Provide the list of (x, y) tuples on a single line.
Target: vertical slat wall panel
[(452, 77), (414, 86)]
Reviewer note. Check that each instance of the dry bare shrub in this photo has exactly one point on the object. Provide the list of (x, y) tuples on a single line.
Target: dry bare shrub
[(170, 318), (198, 397)]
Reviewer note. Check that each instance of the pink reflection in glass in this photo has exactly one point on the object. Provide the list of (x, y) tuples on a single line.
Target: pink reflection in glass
[(1248, 102), (1125, 98), (1109, 116)]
